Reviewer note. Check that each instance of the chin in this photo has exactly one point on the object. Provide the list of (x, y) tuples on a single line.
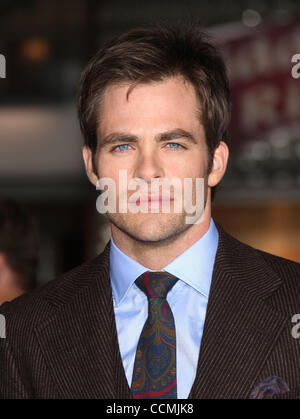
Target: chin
[(150, 227)]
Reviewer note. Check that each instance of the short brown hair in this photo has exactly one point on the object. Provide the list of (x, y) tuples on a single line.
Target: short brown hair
[(19, 240), (152, 54)]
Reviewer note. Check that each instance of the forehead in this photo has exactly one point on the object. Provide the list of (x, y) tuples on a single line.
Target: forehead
[(159, 105)]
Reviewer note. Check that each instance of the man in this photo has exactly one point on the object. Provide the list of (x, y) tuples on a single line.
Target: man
[(19, 248), (170, 309)]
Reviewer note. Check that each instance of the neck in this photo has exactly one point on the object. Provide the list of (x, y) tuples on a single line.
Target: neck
[(156, 255)]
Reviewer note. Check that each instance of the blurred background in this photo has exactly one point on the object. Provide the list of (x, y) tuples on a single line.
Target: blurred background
[(46, 45)]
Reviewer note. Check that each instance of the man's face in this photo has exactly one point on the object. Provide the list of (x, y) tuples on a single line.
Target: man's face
[(162, 137)]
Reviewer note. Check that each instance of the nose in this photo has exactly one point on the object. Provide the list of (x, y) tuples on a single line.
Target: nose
[(148, 166)]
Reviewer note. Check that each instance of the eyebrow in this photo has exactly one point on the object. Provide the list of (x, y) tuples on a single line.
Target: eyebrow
[(119, 137)]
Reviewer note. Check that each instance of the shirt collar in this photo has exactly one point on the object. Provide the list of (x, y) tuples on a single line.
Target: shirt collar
[(194, 266)]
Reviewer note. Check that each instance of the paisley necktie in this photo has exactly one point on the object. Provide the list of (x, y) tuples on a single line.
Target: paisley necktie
[(154, 373)]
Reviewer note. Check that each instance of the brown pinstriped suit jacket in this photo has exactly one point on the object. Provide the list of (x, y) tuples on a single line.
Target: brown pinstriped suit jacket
[(62, 342)]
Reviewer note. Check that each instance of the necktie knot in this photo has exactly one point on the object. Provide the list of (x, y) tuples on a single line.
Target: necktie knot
[(156, 284)]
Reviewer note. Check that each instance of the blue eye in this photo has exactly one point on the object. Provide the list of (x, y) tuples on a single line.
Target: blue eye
[(177, 146), (121, 147)]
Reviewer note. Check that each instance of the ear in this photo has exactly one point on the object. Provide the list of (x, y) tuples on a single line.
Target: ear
[(219, 165), (88, 162)]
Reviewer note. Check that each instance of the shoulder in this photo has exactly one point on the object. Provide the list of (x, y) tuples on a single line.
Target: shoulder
[(288, 271), (279, 264), (261, 269), (37, 305)]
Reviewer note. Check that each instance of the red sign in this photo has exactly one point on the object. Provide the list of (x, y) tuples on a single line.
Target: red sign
[(265, 93)]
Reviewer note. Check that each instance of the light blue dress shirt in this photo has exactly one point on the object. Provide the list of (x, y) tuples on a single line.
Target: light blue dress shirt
[(187, 299)]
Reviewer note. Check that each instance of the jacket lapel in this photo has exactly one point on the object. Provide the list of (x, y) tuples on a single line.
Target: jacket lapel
[(80, 344), (240, 328)]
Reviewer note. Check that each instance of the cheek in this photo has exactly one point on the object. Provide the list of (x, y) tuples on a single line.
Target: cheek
[(108, 163), (107, 170), (112, 172), (106, 166), (192, 168)]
